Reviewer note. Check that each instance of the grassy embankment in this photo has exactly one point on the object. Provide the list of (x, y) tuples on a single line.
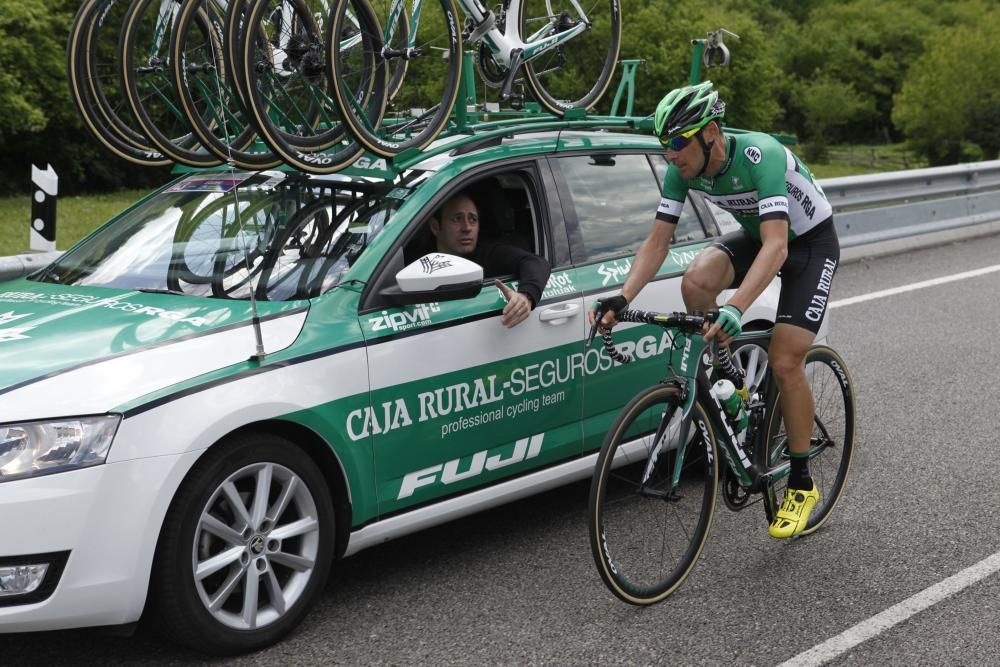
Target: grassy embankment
[(78, 216)]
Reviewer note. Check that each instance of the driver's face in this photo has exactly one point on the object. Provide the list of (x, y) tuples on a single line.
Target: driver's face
[(458, 230)]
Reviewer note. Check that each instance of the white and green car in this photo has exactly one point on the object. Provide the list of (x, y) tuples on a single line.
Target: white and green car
[(170, 446)]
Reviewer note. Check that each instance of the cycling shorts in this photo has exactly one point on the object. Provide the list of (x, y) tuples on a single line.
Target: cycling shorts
[(806, 275)]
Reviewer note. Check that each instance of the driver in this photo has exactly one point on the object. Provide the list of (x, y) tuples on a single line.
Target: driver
[(456, 231)]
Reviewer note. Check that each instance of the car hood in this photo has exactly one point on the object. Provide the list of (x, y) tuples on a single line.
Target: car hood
[(78, 350)]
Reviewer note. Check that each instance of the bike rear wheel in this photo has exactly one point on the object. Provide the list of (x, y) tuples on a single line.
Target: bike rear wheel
[(432, 48), (832, 440), (206, 89), (92, 65), (652, 498), (576, 73)]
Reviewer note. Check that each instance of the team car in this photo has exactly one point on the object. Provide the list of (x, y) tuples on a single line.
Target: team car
[(170, 446)]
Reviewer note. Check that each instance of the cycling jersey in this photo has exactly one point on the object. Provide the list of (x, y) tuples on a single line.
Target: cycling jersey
[(759, 180)]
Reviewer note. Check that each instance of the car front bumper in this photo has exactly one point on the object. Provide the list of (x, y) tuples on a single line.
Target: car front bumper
[(105, 520)]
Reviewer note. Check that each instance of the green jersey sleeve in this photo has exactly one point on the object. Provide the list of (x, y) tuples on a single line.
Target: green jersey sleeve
[(673, 194), (768, 165)]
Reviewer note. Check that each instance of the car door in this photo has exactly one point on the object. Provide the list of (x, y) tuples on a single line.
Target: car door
[(459, 401), (609, 201)]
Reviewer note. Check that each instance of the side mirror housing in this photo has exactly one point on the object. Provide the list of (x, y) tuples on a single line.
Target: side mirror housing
[(435, 277)]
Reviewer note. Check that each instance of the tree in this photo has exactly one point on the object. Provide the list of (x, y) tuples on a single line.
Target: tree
[(846, 60), (748, 85), (38, 123), (951, 93)]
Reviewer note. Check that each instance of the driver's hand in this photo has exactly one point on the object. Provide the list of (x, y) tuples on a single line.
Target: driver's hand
[(518, 306)]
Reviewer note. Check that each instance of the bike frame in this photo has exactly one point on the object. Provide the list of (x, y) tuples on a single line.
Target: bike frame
[(689, 365), (500, 42)]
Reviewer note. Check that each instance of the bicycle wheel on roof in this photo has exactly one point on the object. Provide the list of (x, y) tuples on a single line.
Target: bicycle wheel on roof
[(431, 48), (575, 72), (284, 54), (206, 91), (145, 72), (92, 65)]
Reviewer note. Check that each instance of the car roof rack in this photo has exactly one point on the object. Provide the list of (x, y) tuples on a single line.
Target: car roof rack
[(474, 127)]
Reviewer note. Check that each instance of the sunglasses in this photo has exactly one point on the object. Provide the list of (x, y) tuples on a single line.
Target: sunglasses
[(680, 142)]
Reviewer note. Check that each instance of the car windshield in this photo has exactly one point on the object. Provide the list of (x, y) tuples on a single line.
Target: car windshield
[(284, 236)]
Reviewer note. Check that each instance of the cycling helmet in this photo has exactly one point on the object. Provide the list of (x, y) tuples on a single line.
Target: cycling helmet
[(686, 110)]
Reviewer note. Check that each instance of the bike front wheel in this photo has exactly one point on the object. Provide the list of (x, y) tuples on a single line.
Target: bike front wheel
[(652, 497), (832, 440), (576, 71), (430, 47)]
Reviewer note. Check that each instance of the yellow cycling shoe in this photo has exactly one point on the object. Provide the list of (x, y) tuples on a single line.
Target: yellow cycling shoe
[(794, 513)]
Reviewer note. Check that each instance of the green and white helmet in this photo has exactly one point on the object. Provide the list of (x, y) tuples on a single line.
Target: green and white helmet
[(685, 110)]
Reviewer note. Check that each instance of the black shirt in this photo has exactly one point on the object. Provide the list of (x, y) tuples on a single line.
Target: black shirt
[(500, 259)]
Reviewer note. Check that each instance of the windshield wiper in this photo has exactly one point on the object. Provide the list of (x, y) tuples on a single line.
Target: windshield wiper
[(156, 290)]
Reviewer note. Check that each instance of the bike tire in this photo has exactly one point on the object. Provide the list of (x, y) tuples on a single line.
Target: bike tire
[(557, 78), (205, 85), (388, 130), (833, 432), (286, 82), (646, 538), (148, 85), (236, 15), (87, 67)]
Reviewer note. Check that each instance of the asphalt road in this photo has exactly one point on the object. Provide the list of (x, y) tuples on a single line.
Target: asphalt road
[(516, 585)]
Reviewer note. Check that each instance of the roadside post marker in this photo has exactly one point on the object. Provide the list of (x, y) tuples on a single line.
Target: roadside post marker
[(45, 187)]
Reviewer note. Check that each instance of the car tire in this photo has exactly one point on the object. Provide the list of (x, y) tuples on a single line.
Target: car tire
[(228, 579)]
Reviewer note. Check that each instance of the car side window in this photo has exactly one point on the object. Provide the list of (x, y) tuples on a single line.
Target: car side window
[(614, 200), (689, 227), (507, 211)]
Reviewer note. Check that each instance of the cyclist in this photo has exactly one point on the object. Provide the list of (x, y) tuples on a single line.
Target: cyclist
[(786, 230)]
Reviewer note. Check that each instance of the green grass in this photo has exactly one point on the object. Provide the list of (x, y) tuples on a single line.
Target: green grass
[(75, 218), (854, 160)]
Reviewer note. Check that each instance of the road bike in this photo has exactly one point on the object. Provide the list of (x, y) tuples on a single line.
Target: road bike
[(655, 486), (557, 45), (145, 71), (92, 65)]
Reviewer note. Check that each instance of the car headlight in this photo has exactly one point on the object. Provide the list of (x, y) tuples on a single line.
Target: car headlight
[(45, 447)]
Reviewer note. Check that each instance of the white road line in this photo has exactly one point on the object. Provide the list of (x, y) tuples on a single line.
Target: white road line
[(914, 286), (881, 622)]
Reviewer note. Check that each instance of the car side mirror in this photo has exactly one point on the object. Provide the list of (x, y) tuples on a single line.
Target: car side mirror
[(435, 277)]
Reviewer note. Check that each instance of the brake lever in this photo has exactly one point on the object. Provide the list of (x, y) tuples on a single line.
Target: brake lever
[(598, 316)]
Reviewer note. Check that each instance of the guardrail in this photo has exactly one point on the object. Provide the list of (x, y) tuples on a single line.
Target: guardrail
[(883, 207), (868, 210), (16, 266)]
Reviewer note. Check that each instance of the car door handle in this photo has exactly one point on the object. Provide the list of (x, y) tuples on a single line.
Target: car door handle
[(563, 312)]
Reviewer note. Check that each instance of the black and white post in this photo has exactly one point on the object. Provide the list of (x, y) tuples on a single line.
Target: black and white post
[(45, 187)]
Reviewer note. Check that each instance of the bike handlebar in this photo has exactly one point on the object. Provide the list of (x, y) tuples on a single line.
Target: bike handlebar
[(686, 322)]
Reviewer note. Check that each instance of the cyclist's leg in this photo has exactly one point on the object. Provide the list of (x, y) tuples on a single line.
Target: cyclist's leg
[(807, 276), (719, 266)]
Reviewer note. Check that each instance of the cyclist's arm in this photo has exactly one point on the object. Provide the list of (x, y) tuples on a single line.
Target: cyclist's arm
[(649, 258), (654, 249), (774, 250), (767, 174)]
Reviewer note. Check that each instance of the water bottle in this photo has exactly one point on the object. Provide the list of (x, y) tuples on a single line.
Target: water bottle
[(726, 392)]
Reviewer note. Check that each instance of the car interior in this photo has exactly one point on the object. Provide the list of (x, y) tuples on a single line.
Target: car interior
[(505, 214)]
